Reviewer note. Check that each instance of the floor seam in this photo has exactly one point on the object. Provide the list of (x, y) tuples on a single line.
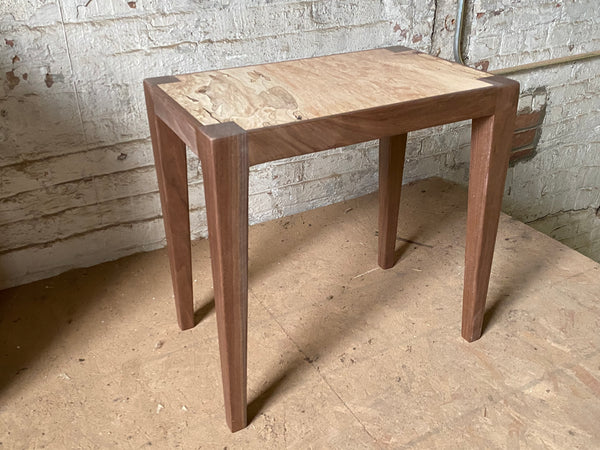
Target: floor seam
[(310, 362), (471, 414)]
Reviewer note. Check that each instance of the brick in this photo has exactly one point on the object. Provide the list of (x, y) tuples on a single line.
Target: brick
[(528, 120), (521, 153), (525, 103), (77, 221), (198, 224), (34, 263), (31, 14), (89, 191), (25, 177), (524, 138)]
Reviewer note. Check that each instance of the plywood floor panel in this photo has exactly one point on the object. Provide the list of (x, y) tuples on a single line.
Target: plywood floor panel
[(340, 355)]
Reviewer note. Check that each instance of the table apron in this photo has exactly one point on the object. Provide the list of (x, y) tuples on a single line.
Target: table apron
[(309, 136)]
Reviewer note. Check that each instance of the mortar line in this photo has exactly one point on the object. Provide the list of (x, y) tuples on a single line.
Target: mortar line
[(32, 158), (561, 211), (432, 35), (40, 245), (77, 100), (306, 356)]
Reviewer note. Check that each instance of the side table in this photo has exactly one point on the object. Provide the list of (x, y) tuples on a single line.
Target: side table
[(235, 118)]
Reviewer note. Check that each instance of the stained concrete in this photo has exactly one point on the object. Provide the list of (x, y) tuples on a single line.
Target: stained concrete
[(341, 353)]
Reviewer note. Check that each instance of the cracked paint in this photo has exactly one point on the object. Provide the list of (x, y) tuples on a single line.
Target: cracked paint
[(12, 80)]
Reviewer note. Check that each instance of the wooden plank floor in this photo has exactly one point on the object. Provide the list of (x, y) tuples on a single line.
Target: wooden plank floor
[(341, 353)]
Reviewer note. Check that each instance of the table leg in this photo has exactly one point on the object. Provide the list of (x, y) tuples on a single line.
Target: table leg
[(224, 157), (391, 166), (490, 150), (171, 170)]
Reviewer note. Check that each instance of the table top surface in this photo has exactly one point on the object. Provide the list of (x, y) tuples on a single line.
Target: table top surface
[(280, 93)]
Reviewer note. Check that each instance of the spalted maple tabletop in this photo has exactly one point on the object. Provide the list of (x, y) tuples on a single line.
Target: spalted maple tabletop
[(296, 107), (279, 93)]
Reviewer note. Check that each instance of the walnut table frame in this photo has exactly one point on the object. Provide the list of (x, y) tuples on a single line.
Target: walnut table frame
[(235, 118)]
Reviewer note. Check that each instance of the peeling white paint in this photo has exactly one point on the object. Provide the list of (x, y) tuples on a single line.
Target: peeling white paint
[(69, 198)]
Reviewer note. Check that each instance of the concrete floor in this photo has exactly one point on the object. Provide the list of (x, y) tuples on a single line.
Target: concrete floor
[(341, 353)]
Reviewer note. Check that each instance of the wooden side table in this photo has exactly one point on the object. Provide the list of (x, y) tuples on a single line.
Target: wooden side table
[(235, 118)]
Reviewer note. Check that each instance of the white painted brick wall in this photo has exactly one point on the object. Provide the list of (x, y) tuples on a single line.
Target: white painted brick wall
[(558, 190), (77, 185), (563, 179)]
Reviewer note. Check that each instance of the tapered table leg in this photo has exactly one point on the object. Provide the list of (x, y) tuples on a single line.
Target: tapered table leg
[(171, 170), (490, 151), (224, 157), (391, 166)]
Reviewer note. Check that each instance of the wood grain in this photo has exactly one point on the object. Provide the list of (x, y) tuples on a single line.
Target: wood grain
[(298, 107), (490, 151), (235, 118), (171, 170), (224, 156), (276, 94), (391, 166), (309, 136)]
